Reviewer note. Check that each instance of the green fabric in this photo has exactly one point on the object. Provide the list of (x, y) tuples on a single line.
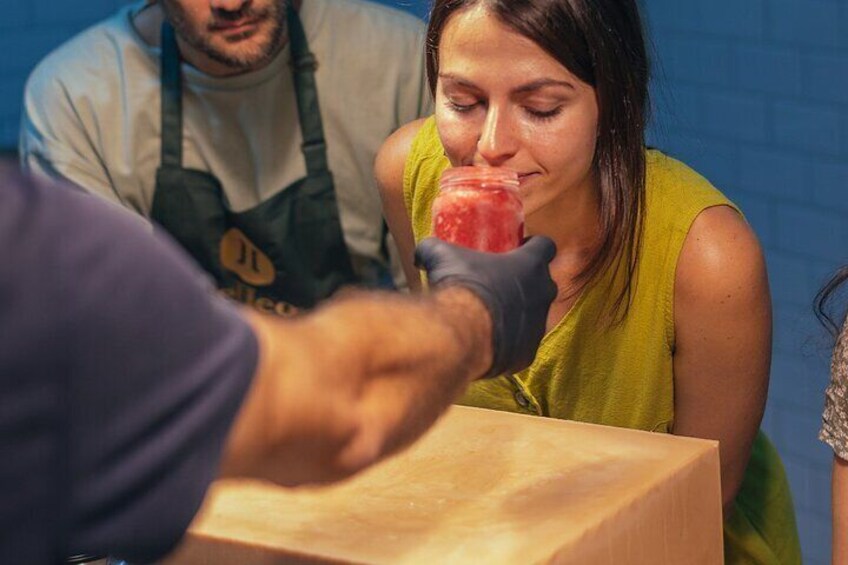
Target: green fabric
[(623, 376), (762, 527)]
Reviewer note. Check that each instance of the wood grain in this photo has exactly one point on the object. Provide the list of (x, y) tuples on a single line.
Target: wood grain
[(484, 487)]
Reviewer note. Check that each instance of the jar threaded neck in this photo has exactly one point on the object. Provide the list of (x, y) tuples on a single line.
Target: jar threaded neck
[(481, 177)]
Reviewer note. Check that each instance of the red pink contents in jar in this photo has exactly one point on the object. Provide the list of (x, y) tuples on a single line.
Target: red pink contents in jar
[(479, 208)]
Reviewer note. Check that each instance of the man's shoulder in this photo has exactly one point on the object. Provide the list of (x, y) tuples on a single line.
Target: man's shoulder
[(86, 55)]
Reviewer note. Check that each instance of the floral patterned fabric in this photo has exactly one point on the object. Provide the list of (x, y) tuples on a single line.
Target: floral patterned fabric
[(834, 430)]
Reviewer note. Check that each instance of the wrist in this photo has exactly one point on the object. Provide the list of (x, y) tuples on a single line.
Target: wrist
[(471, 322)]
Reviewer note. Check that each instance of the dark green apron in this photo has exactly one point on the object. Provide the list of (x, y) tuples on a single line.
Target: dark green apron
[(288, 252)]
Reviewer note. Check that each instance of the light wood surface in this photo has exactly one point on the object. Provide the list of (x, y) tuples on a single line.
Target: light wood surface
[(485, 487)]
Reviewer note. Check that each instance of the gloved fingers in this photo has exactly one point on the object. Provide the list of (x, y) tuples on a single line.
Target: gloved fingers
[(427, 253)]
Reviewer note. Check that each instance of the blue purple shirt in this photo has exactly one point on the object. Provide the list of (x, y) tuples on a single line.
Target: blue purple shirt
[(120, 375)]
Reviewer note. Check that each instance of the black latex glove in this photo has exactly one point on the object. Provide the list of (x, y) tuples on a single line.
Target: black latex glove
[(516, 287)]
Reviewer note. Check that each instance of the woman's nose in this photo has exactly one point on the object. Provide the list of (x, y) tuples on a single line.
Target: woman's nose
[(497, 142)]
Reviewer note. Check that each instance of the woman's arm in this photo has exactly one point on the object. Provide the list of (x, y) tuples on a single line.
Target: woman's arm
[(722, 320), (388, 171), (839, 505)]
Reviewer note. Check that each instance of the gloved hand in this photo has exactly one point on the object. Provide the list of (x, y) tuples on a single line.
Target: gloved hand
[(516, 287)]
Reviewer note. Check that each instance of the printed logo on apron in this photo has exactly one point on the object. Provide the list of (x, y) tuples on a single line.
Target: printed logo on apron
[(241, 256)]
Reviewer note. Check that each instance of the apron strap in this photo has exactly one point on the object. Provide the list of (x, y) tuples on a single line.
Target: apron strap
[(171, 97), (314, 147)]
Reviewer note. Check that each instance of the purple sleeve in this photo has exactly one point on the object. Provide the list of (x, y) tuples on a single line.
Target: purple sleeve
[(124, 372)]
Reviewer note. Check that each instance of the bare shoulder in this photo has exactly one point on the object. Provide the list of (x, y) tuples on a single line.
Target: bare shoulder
[(391, 158), (721, 258)]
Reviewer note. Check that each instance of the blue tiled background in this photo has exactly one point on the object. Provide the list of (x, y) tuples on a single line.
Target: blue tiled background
[(752, 93)]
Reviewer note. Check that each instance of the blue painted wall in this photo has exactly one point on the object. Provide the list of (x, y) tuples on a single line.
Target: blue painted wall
[(28, 31), (417, 7), (752, 93)]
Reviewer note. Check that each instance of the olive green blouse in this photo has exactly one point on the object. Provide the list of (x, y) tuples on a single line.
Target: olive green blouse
[(623, 375)]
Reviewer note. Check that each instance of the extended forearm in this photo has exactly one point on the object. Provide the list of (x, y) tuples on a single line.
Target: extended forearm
[(356, 380), (367, 373), (420, 355)]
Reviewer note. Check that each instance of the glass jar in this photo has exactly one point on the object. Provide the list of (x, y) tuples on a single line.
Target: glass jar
[(479, 208)]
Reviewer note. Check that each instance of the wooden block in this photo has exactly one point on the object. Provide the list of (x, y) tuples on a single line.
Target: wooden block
[(484, 487)]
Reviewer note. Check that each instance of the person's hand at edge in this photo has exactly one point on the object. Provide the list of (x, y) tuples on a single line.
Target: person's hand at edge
[(516, 288)]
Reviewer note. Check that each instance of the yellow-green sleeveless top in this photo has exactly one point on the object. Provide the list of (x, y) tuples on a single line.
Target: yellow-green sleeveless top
[(623, 376)]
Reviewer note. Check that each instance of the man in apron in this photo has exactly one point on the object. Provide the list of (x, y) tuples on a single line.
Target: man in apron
[(238, 170)]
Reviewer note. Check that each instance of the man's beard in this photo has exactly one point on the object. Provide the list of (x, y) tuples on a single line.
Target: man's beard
[(236, 58)]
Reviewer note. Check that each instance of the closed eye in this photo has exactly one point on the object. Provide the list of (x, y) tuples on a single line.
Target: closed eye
[(461, 108), (543, 114)]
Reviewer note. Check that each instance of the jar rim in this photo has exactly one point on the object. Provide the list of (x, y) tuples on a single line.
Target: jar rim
[(485, 177)]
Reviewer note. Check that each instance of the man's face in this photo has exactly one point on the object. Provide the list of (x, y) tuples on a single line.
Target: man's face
[(241, 35)]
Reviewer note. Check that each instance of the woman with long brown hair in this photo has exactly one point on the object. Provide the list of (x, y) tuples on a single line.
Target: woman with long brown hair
[(663, 317), (834, 431)]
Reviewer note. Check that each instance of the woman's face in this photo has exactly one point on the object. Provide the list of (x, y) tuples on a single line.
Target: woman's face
[(503, 101)]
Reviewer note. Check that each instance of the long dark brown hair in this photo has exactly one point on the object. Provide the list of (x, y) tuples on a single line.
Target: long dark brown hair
[(600, 42), (823, 299)]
